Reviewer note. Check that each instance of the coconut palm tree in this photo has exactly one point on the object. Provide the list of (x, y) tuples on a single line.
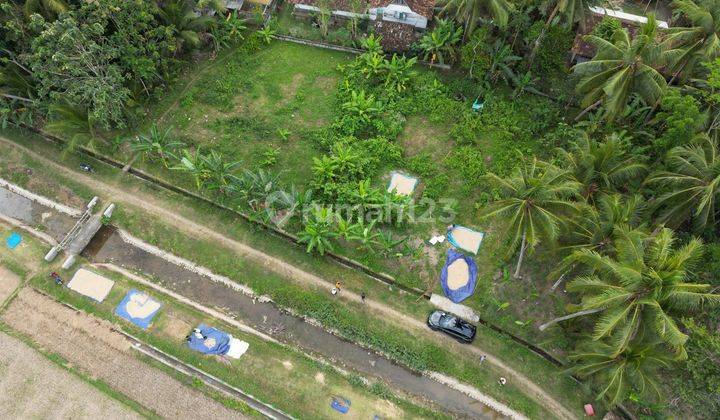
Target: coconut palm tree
[(600, 166), (697, 43), (635, 369), (16, 82), (73, 124), (593, 226), (180, 17), (157, 145), (536, 197), (469, 12), (640, 288), (620, 68), (692, 182)]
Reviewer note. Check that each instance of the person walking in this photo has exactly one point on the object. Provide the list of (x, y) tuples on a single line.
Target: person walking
[(362, 297), (337, 285)]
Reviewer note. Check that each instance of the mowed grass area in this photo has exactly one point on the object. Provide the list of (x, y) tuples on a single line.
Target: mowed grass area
[(256, 108), (275, 374)]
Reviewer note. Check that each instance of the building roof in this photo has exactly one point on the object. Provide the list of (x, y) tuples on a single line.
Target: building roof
[(395, 36), (421, 7)]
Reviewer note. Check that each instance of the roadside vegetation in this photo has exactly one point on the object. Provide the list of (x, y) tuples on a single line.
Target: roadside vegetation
[(595, 186)]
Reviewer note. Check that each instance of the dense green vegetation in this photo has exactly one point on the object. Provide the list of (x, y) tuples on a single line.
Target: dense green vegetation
[(602, 181)]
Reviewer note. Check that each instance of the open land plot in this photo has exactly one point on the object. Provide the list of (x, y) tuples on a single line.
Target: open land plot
[(33, 387), (161, 237)]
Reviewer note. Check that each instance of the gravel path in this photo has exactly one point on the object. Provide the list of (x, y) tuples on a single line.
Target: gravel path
[(33, 387), (91, 345)]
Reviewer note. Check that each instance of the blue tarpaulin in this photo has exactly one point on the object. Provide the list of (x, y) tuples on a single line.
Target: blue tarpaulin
[(13, 240), (213, 341), (340, 404), (454, 291), (138, 308)]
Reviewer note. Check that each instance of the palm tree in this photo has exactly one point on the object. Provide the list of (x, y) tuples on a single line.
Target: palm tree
[(635, 369), (180, 17), (16, 82), (594, 225), (469, 12), (536, 196), (194, 164), (48, 9), (692, 182), (640, 287), (697, 43), (73, 124), (600, 166), (593, 228), (441, 41), (620, 68), (572, 10), (157, 144)]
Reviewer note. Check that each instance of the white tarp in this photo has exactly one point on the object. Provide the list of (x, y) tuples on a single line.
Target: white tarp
[(90, 284), (237, 348), (402, 184), (619, 14)]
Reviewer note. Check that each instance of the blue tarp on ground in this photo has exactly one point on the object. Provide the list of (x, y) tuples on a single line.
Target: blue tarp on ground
[(139, 308), (341, 405), (213, 341), (13, 240), (464, 291)]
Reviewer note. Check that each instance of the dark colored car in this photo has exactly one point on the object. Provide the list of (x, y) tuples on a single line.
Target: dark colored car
[(451, 325)]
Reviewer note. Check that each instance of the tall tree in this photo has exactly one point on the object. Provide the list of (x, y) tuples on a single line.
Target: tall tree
[(621, 68), (692, 184), (536, 197), (180, 17), (469, 12), (640, 288), (635, 369), (600, 166), (697, 43)]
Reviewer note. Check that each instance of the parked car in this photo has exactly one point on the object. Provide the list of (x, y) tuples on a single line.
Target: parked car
[(451, 325)]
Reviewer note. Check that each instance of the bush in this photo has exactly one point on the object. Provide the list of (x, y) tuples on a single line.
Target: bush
[(552, 54), (606, 28)]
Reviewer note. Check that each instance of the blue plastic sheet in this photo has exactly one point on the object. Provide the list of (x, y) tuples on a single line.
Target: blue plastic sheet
[(458, 295), (13, 240), (213, 341), (140, 299), (340, 405)]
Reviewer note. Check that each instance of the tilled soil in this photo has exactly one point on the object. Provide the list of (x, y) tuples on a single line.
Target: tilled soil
[(33, 387), (91, 346)]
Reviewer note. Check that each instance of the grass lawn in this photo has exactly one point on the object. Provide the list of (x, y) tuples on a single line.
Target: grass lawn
[(256, 109)]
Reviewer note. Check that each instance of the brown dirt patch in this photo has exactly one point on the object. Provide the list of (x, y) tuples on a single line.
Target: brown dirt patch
[(287, 365), (8, 282), (320, 378), (90, 345), (33, 387), (175, 327), (289, 89), (420, 135), (326, 82)]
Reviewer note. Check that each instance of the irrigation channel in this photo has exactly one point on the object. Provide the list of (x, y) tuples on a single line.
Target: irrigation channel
[(109, 247)]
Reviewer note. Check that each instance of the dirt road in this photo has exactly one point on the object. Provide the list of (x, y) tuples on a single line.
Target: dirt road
[(90, 345), (151, 205)]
